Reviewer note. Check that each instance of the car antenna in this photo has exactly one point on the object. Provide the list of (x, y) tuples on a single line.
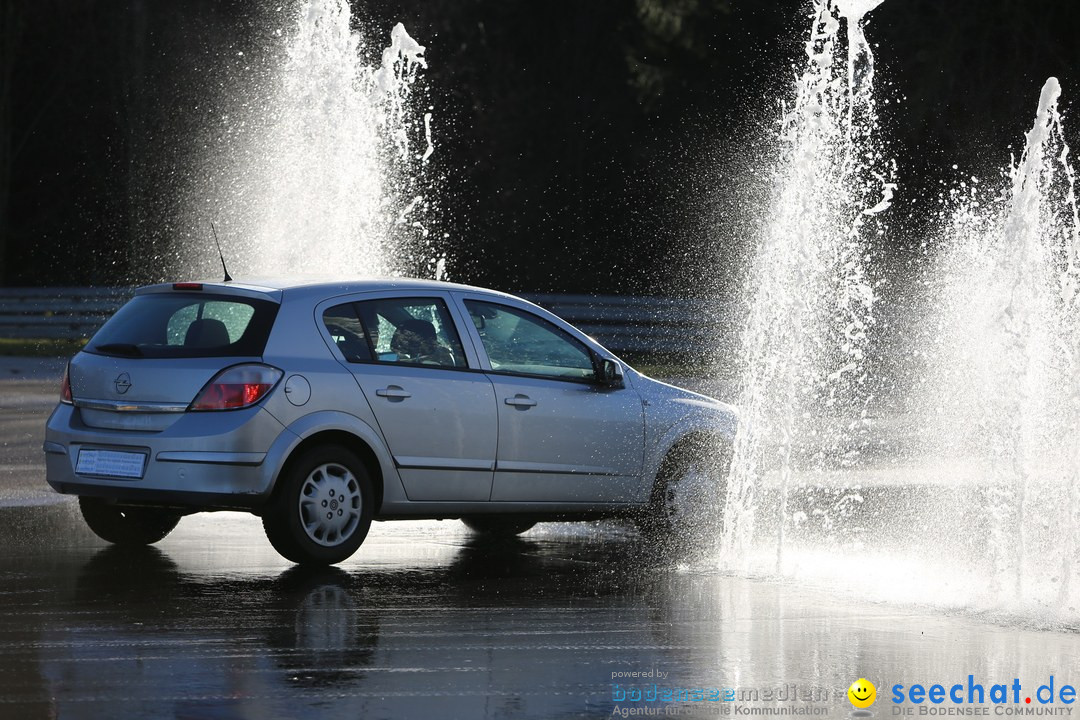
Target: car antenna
[(220, 254)]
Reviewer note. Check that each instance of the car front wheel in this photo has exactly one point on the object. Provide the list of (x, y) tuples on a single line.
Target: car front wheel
[(128, 526), (323, 508), (687, 504)]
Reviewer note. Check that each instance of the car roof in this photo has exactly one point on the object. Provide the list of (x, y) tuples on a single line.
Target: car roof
[(300, 286)]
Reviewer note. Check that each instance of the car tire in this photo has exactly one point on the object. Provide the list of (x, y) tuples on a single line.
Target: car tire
[(687, 503), (496, 527), (128, 526), (323, 507)]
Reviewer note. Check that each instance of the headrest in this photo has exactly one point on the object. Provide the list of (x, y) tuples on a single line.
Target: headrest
[(207, 332)]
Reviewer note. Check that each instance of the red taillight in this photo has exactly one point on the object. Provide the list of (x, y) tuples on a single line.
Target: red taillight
[(237, 387), (187, 286), (65, 386)]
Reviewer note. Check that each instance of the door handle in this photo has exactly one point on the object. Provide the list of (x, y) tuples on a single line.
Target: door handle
[(521, 401), (393, 392)]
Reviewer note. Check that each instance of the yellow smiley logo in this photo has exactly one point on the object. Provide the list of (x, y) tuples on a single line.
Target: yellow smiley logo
[(862, 693)]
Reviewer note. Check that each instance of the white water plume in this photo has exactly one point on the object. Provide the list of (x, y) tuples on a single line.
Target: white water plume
[(975, 504), (319, 166), (1005, 390), (810, 298)]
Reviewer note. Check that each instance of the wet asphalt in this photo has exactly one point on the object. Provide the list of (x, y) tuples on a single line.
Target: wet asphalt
[(428, 621)]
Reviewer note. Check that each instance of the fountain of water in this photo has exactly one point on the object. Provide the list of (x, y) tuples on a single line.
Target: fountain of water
[(976, 499), (1006, 369), (318, 167), (811, 297)]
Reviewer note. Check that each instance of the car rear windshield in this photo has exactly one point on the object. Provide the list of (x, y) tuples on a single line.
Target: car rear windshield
[(181, 325)]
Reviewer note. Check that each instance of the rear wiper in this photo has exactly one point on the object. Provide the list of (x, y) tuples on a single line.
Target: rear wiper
[(127, 349)]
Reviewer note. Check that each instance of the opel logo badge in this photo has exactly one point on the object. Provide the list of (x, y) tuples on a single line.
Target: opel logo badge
[(122, 383)]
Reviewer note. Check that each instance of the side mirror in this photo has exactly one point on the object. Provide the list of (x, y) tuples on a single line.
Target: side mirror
[(609, 374)]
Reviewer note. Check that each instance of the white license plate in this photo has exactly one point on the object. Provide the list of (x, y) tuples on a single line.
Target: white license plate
[(110, 463)]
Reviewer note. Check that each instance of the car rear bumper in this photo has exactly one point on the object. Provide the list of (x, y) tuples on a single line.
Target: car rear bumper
[(202, 461)]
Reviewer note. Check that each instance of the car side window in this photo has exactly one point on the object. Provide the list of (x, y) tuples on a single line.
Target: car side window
[(519, 342), (345, 328), (411, 331)]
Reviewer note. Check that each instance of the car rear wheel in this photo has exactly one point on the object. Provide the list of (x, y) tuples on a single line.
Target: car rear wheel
[(323, 508), (497, 526), (128, 526)]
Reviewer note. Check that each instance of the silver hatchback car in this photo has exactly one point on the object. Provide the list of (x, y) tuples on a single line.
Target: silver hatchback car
[(323, 406)]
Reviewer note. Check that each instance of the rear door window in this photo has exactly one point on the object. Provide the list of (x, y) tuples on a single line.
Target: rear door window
[(164, 325), (409, 331), (347, 331)]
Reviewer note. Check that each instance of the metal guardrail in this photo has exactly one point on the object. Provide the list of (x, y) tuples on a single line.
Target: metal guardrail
[(623, 324), (645, 324), (57, 312)]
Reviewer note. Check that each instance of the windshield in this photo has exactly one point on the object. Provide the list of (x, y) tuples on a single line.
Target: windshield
[(173, 325)]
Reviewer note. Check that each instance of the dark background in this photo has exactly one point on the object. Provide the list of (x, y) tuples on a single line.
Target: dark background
[(587, 146)]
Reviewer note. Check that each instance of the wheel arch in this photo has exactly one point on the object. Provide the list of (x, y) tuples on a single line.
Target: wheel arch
[(349, 432), (693, 440), (346, 440), (686, 439)]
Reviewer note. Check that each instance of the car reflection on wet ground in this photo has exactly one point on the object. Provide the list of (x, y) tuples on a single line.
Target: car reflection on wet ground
[(426, 621)]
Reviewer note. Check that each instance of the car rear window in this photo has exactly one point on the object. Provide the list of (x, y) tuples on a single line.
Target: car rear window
[(166, 325)]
